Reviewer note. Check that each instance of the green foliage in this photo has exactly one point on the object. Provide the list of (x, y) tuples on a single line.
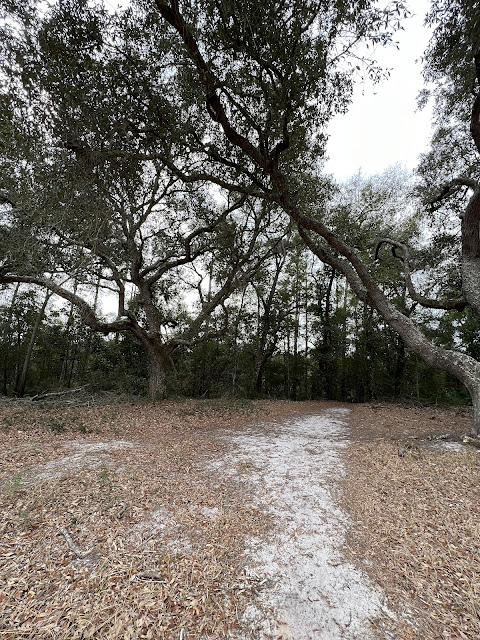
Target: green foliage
[(449, 70), (448, 59), (12, 486)]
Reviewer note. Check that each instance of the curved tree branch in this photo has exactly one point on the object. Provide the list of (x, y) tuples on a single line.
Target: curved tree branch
[(162, 265), (442, 303), (86, 311), (215, 109), (450, 188)]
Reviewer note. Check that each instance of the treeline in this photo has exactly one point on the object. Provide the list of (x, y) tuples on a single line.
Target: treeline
[(300, 336)]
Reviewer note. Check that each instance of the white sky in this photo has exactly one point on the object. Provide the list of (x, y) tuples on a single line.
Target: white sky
[(383, 126)]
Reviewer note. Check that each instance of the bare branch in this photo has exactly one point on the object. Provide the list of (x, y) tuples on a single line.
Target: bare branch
[(72, 546), (442, 303), (450, 188), (188, 255), (200, 176), (116, 275), (86, 311)]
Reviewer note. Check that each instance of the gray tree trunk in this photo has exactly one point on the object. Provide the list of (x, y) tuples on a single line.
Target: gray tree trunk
[(8, 335), (475, 393), (20, 391), (157, 365)]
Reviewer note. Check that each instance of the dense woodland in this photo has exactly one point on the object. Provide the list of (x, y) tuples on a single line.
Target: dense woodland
[(165, 160), (295, 330), (343, 352)]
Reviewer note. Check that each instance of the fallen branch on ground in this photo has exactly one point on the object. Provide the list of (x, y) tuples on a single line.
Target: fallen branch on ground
[(123, 508), (151, 575), (56, 394)]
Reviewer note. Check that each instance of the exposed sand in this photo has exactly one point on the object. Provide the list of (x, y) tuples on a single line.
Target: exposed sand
[(315, 593)]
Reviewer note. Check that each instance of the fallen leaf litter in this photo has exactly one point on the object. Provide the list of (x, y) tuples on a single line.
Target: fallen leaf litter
[(148, 541), (416, 517)]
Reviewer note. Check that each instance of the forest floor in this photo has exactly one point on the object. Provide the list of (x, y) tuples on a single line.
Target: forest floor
[(230, 519)]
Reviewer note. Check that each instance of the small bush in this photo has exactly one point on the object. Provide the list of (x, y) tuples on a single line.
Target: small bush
[(56, 425)]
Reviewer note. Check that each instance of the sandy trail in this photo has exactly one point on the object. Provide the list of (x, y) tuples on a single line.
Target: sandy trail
[(316, 593)]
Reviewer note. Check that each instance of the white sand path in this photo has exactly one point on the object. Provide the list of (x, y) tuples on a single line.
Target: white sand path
[(316, 593)]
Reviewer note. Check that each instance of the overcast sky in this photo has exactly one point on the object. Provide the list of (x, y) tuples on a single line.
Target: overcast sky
[(383, 126)]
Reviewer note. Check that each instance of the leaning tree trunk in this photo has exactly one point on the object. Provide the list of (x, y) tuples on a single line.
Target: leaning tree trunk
[(20, 391)]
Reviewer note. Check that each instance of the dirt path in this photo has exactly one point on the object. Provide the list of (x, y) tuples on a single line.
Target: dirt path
[(314, 593)]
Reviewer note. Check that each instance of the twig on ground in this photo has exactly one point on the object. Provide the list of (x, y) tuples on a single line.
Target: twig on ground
[(56, 394), (123, 508), (151, 575), (72, 546)]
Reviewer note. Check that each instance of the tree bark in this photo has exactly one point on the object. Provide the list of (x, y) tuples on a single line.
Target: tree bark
[(471, 251), (157, 381), (157, 366), (475, 394)]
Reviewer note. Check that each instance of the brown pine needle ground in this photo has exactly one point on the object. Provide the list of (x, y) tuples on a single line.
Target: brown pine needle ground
[(115, 524), (112, 527), (415, 508)]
